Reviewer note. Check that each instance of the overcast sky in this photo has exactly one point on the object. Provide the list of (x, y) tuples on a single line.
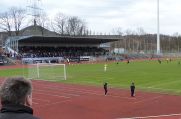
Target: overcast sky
[(105, 15)]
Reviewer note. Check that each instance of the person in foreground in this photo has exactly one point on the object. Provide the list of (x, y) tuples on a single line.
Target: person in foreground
[(132, 87), (16, 99)]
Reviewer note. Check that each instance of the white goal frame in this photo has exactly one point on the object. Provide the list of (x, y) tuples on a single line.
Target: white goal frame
[(50, 64)]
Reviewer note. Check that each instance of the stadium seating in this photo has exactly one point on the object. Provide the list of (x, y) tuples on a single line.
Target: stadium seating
[(34, 52)]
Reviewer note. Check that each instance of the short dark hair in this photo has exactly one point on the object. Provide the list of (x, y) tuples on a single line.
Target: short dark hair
[(14, 90)]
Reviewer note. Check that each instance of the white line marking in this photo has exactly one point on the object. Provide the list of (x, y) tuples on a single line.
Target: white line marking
[(55, 103), (52, 95), (35, 103), (64, 87), (88, 92), (54, 92), (161, 89), (167, 115), (145, 100), (76, 90), (41, 99)]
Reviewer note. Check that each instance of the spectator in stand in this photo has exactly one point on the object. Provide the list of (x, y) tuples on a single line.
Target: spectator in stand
[(16, 99)]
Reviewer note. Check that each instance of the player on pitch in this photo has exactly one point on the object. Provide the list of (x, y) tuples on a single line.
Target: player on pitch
[(105, 67), (105, 88), (132, 88)]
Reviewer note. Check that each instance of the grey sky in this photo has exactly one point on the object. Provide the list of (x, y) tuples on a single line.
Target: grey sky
[(104, 15)]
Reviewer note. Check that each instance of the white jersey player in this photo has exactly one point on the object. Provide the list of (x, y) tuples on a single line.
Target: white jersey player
[(105, 67)]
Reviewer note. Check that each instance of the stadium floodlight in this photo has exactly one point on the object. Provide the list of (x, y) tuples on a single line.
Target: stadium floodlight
[(158, 28), (34, 9), (47, 71)]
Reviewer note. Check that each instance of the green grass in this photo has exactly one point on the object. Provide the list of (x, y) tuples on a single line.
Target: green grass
[(147, 75)]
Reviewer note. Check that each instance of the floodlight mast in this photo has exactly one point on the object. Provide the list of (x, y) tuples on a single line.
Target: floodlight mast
[(34, 9), (158, 28)]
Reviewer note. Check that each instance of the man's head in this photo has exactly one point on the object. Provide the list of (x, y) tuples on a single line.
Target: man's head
[(16, 91)]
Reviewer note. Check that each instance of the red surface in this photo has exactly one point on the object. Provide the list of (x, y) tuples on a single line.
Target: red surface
[(11, 67), (65, 101)]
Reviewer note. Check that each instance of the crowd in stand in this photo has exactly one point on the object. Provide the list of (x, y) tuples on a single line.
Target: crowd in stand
[(32, 52), (73, 53)]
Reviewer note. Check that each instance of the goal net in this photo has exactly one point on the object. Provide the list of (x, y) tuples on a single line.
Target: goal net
[(47, 71)]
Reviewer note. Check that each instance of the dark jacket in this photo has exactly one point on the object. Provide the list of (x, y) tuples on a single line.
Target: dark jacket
[(132, 87), (105, 86), (16, 112)]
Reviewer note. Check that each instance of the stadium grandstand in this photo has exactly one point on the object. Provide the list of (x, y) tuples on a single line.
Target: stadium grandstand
[(37, 44)]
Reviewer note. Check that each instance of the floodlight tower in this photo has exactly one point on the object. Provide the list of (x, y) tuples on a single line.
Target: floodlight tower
[(158, 28), (34, 9)]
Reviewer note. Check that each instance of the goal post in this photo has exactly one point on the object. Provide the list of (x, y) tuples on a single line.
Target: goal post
[(47, 71)]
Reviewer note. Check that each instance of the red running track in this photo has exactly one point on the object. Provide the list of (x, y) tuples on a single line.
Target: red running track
[(65, 101)]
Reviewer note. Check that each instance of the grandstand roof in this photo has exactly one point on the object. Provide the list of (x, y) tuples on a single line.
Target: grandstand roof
[(67, 39)]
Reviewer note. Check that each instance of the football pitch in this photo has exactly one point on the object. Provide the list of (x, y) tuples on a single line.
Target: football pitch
[(147, 75)]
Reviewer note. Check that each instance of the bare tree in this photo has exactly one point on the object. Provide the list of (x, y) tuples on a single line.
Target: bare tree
[(6, 22), (117, 31), (140, 31), (176, 36), (75, 26), (18, 15), (60, 22), (120, 43), (129, 39), (82, 30), (12, 20), (43, 21), (140, 41)]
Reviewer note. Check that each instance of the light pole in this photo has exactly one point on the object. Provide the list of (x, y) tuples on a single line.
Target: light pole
[(158, 28)]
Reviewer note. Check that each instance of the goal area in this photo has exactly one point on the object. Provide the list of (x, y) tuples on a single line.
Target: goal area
[(47, 71)]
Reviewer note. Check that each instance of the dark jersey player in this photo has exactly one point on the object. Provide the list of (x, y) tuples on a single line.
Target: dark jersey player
[(132, 88), (105, 88)]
